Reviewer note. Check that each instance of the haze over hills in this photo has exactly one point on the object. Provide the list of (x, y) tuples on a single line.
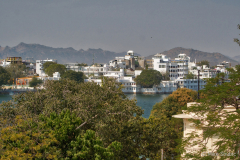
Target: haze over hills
[(63, 55), (70, 55), (213, 58)]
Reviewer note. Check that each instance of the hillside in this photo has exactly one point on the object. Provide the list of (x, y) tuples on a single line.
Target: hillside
[(63, 55), (213, 58)]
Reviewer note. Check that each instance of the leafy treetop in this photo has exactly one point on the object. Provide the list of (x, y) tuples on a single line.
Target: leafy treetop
[(148, 78)]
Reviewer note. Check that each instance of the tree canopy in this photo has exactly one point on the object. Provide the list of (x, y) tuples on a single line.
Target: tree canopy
[(189, 76), (215, 120), (101, 115), (203, 62), (73, 75), (171, 127), (47, 64), (148, 78), (236, 39), (55, 68), (16, 71), (4, 76), (34, 82)]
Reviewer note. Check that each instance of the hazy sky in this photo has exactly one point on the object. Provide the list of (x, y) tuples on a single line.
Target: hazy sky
[(145, 26)]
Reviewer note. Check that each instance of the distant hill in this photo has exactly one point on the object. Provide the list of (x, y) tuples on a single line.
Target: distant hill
[(63, 55), (237, 58), (213, 58)]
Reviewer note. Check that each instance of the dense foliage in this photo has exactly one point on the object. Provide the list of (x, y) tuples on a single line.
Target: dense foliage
[(16, 71), (55, 68), (47, 64), (148, 78), (73, 75), (102, 112), (4, 76), (164, 110), (189, 76), (52, 137), (34, 82), (216, 121)]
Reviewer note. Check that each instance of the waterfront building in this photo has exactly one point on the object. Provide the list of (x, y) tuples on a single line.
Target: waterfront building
[(124, 62)]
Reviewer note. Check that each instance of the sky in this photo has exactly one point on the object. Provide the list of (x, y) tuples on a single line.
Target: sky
[(145, 26)]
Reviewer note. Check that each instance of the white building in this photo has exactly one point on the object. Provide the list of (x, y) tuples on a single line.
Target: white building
[(190, 127), (177, 68), (124, 62), (39, 66), (161, 63)]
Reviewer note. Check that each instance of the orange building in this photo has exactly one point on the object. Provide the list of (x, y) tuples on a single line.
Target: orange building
[(24, 81)]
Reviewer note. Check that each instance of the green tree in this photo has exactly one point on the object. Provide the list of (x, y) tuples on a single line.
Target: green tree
[(148, 78), (215, 120), (47, 64), (53, 137), (171, 128), (204, 62), (82, 64), (34, 82), (16, 71), (236, 39), (73, 75), (189, 76), (55, 68), (4, 76), (103, 109), (166, 76)]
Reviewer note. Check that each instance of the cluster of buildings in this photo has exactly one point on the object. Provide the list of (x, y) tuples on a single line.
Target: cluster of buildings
[(125, 69)]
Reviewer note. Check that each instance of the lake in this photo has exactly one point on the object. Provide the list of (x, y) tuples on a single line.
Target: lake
[(145, 101)]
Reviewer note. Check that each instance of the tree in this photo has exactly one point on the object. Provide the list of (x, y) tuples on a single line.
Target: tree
[(82, 64), (215, 120), (47, 64), (103, 109), (53, 137), (34, 82), (148, 78), (236, 39), (16, 71), (73, 75), (171, 129), (189, 76), (4, 76), (55, 68), (166, 76), (204, 62)]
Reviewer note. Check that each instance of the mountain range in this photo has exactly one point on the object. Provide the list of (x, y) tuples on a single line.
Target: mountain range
[(63, 55), (213, 58), (70, 55)]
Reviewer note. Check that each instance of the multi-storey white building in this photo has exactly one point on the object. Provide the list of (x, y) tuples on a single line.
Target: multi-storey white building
[(177, 68)]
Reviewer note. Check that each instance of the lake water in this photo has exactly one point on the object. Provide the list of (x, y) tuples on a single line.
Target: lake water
[(144, 101), (147, 101)]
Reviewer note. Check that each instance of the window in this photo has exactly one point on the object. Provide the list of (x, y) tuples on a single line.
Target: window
[(162, 66)]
